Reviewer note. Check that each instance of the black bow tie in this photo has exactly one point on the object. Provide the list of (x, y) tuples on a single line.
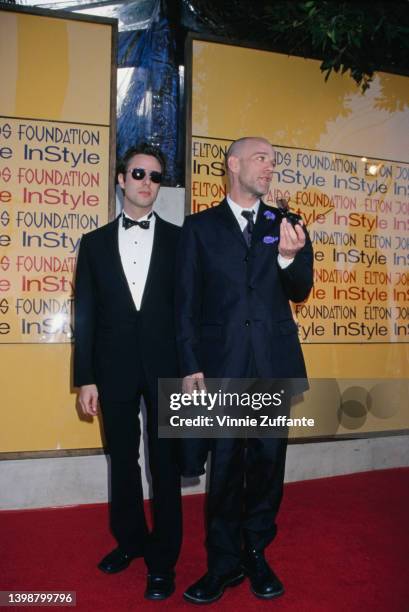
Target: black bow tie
[(127, 222)]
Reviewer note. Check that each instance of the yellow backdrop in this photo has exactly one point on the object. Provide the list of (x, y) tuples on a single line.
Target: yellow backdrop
[(55, 126), (237, 91)]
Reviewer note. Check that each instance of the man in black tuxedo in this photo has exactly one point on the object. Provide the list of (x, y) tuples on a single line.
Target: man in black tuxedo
[(125, 341), (239, 265)]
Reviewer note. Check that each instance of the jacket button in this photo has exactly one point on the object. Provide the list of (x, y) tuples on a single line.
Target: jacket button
[(246, 258), (250, 288), (247, 323)]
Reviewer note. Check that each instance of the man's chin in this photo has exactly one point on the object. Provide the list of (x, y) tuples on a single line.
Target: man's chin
[(144, 205), (261, 189)]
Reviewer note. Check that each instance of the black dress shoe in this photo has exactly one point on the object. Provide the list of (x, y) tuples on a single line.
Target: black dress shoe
[(211, 587), (264, 582), (116, 561), (159, 586)]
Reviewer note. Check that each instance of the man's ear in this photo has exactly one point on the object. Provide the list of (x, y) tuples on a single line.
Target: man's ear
[(121, 180), (233, 163)]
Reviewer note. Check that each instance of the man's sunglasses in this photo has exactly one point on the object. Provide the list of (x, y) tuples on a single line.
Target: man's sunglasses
[(139, 173)]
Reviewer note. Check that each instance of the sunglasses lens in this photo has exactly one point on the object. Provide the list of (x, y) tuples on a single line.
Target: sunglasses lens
[(156, 177), (138, 174)]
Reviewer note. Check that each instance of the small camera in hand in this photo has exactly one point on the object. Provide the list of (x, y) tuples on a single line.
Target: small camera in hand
[(285, 212)]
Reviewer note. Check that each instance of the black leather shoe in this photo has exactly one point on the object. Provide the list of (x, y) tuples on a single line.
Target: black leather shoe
[(159, 586), (211, 587), (116, 561), (264, 582)]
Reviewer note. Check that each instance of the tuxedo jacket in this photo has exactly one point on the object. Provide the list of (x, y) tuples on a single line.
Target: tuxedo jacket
[(232, 303), (110, 333)]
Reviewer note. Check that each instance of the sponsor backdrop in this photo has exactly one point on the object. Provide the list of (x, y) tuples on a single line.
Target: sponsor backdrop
[(55, 127), (343, 164)]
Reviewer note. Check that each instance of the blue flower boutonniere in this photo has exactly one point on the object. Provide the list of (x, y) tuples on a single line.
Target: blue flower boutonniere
[(270, 216), (270, 239)]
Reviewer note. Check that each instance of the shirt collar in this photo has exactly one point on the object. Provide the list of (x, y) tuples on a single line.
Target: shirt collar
[(237, 209)]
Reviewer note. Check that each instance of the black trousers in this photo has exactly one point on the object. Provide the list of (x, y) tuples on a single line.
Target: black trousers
[(161, 546), (245, 492)]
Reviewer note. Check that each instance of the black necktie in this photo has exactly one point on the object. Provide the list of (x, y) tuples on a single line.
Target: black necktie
[(248, 230), (127, 222)]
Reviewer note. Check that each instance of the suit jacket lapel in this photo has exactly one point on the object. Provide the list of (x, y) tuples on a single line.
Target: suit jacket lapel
[(264, 226), (158, 248), (227, 217)]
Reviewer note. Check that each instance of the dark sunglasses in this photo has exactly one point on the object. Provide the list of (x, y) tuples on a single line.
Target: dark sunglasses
[(139, 173)]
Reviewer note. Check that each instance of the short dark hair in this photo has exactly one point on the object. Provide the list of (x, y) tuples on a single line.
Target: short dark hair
[(142, 148)]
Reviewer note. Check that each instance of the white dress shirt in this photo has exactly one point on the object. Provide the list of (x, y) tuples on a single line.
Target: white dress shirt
[(237, 210), (242, 221), (135, 249)]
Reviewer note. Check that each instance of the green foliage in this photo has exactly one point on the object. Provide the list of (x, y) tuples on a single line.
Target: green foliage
[(358, 37)]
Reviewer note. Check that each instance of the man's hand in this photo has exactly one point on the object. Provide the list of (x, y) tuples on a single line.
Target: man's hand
[(88, 400), (292, 239), (192, 382)]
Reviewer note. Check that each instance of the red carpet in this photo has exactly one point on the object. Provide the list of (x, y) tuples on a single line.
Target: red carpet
[(343, 546)]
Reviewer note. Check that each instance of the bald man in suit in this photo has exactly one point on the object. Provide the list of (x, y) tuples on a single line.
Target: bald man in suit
[(234, 320)]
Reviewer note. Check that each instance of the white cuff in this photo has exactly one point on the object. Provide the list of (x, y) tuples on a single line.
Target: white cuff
[(283, 262)]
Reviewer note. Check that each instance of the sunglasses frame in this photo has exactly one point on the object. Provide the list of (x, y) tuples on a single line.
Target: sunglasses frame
[(155, 176)]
